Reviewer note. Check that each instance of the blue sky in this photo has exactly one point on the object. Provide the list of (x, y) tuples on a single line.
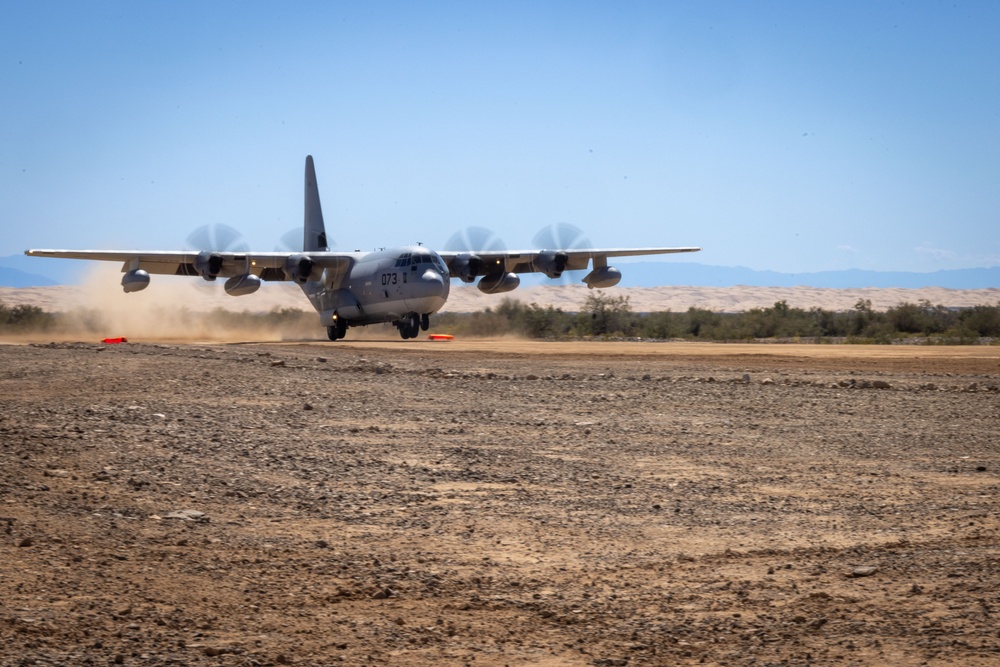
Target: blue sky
[(790, 136)]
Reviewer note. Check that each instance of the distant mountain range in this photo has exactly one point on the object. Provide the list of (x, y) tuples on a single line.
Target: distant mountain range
[(22, 271)]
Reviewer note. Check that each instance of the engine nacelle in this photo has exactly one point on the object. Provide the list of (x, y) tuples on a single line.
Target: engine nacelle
[(605, 276), (135, 280), (499, 282), (248, 283), (468, 267), (299, 268), (208, 264), (551, 263)]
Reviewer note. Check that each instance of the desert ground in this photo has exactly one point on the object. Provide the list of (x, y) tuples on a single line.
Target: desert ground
[(498, 502)]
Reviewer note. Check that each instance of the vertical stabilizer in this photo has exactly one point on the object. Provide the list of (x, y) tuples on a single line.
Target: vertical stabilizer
[(314, 231)]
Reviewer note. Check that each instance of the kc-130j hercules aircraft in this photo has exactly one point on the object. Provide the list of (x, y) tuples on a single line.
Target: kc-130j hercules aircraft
[(403, 285)]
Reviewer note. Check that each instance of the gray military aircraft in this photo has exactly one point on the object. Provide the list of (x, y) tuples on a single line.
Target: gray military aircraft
[(403, 285)]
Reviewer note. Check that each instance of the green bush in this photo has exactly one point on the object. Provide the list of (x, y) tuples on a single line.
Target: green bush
[(606, 316), (24, 318), (981, 320), (603, 315)]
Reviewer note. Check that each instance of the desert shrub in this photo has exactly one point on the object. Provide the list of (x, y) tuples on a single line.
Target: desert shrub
[(921, 318), (509, 317), (908, 318), (831, 323), (982, 320), (548, 322), (24, 318), (662, 325), (698, 322), (780, 321), (604, 315)]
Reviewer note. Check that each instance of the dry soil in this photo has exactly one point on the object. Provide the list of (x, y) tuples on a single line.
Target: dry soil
[(498, 503)]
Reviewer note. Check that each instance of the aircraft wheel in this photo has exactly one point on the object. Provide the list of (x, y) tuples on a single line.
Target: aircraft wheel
[(425, 321), (338, 330), (409, 326)]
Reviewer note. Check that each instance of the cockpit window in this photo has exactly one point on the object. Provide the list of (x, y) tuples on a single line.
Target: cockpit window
[(404, 260), (421, 258)]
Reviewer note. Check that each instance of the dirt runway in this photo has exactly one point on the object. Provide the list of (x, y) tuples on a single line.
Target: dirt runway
[(498, 503)]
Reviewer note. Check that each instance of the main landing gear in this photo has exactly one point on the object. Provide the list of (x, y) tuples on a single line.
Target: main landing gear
[(410, 325), (338, 330)]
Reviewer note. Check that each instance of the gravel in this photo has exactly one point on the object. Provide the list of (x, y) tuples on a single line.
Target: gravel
[(307, 504)]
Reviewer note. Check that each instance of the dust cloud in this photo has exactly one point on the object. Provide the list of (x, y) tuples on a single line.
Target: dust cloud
[(187, 309)]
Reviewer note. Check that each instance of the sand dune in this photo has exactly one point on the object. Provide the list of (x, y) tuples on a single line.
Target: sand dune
[(196, 296), (737, 298)]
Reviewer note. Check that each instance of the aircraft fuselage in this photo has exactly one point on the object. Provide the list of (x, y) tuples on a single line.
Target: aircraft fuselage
[(383, 286)]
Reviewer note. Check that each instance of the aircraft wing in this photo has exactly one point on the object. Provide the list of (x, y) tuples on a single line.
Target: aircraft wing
[(264, 265), (544, 261)]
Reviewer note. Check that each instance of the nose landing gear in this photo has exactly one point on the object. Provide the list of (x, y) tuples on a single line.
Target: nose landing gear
[(410, 326)]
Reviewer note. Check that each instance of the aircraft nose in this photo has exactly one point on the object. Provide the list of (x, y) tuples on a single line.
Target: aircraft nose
[(432, 284), (428, 292)]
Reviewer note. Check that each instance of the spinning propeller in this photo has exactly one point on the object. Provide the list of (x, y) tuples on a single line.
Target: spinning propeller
[(211, 241), (467, 242), (553, 239)]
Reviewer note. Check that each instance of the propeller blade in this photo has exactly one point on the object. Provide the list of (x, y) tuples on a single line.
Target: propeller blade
[(217, 238), (561, 236), (290, 241), (475, 238)]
